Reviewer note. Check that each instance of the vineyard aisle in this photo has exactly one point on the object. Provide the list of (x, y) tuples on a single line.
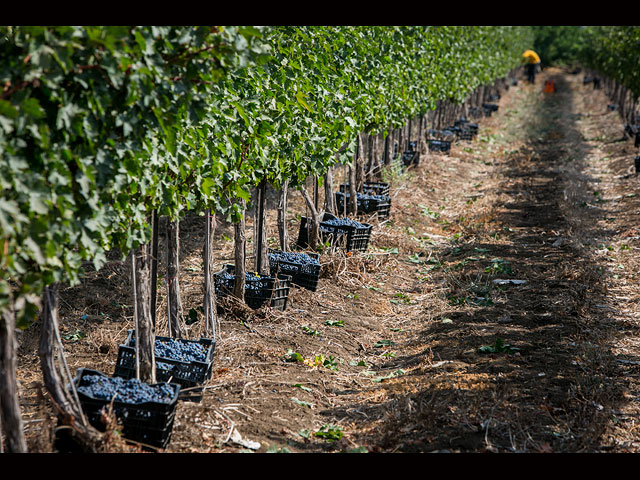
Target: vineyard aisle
[(495, 311)]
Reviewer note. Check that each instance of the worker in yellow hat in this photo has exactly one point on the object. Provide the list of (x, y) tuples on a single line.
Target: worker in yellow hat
[(531, 62)]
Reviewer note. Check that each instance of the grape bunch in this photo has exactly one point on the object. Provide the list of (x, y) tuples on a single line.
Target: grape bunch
[(131, 391), (373, 196), (253, 281), (359, 195), (177, 349), (344, 222), (249, 276), (181, 350), (292, 257), (367, 196)]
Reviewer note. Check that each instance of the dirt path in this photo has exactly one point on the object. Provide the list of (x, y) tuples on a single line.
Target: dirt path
[(567, 386), (413, 347)]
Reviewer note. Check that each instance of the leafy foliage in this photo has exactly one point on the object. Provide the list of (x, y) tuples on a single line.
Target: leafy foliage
[(100, 125), (559, 44), (612, 51)]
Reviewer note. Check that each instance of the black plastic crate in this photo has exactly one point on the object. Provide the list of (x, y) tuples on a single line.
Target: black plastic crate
[(439, 145), (464, 134), (461, 132), (258, 290), (475, 112), (465, 124), (350, 237), (448, 134), (380, 204), (489, 108), (189, 375), (362, 202), (631, 130), (410, 157), (368, 203), (383, 206), (149, 423), (305, 275), (371, 188), (376, 188)]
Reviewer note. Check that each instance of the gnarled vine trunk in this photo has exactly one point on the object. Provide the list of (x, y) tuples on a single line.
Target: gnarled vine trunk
[(240, 252), (329, 195), (12, 424), (282, 218), (65, 399), (315, 219)]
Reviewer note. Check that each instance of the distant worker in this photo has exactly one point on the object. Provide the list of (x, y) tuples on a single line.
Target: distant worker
[(532, 62)]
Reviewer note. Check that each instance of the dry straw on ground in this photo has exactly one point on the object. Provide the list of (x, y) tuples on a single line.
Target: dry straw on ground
[(407, 370)]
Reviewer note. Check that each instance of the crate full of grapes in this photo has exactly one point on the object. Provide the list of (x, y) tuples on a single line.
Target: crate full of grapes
[(368, 203), (466, 130), (185, 362), (443, 146), (304, 268), (410, 157), (376, 188), (339, 232), (362, 202), (489, 108), (463, 133), (377, 203), (381, 204), (475, 112), (146, 411), (258, 289)]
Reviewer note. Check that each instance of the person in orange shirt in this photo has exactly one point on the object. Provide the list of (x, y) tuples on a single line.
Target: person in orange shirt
[(531, 62)]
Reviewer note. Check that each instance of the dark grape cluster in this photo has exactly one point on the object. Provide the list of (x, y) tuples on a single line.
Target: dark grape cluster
[(181, 350), (177, 349), (292, 257), (376, 197), (344, 222), (131, 391), (253, 281), (372, 196), (365, 196), (248, 276)]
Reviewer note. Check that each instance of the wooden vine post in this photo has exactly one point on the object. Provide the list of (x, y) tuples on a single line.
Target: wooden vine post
[(209, 286), (282, 218), (260, 236), (240, 246), (174, 300), (144, 327), (154, 266)]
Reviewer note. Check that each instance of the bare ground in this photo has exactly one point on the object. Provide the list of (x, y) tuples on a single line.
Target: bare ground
[(546, 194)]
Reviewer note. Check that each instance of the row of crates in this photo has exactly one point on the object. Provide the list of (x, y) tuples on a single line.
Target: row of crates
[(150, 423)]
